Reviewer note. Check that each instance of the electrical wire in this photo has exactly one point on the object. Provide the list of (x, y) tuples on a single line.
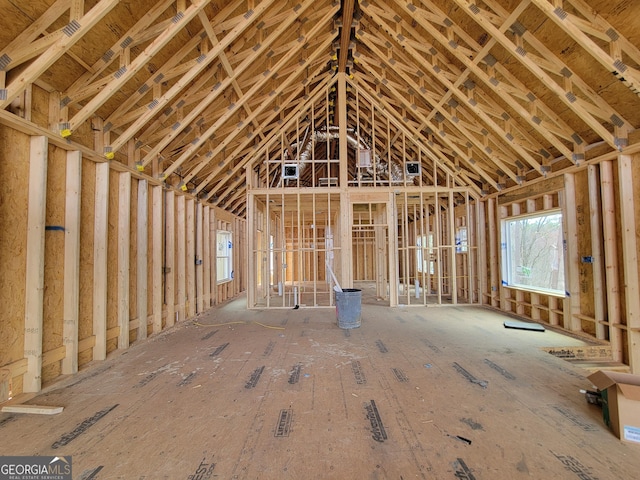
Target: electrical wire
[(235, 323)]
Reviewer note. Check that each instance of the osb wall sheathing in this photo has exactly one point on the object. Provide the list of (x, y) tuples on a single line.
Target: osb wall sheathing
[(83, 133), (14, 196), (39, 106), (87, 217), (53, 302)]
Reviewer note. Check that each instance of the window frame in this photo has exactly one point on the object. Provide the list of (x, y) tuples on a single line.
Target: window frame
[(422, 262), (507, 260), (227, 258)]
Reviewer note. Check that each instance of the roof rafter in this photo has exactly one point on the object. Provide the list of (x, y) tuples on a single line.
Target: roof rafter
[(453, 89), (195, 146), (565, 95), (222, 85), (73, 32)]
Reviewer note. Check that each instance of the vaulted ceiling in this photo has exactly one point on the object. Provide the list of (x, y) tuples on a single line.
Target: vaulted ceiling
[(499, 92)]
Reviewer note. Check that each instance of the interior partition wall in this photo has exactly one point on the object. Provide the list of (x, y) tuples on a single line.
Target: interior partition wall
[(293, 249), (408, 247)]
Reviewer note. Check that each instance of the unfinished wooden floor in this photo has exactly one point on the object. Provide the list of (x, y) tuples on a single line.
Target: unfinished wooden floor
[(419, 392)]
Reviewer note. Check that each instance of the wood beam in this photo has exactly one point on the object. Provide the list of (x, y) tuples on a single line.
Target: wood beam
[(546, 123), (32, 41), (456, 126), (229, 138), (577, 29), (595, 221), (109, 55), (190, 256), (71, 305), (73, 32), (212, 96), (124, 243), (431, 151), (157, 248), (345, 37), (200, 141), (100, 239), (125, 73), (266, 143), (225, 63), (34, 278), (205, 256), (199, 67), (181, 258), (610, 247), (142, 257), (443, 138), (518, 53), (628, 227), (571, 257), (169, 266)]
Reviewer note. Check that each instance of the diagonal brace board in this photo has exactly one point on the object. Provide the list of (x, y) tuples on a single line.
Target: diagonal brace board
[(73, 32)]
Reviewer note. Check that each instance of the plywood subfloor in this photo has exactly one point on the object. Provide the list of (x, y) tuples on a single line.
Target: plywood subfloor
[(419, 392)]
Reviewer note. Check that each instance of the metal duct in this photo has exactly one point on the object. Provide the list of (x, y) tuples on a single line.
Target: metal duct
[(381, 167)]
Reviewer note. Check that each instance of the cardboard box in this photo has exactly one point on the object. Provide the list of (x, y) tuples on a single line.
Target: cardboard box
[(620, 403)]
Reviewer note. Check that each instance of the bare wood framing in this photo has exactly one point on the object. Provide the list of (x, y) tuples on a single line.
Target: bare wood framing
[(127, 72), (346, 273), (124, 239), (34, 280), (56, 50), (483, 20), (142, 257), (100, 238), (630, 255), (200, 141), (193, 114), (199, 281), (494, 267), (72, 262), (205, 256), (612, 63), (169, 267), (595, 218), (547, 203), (190, 257), (571, 257), (156, 257), (181, 267)]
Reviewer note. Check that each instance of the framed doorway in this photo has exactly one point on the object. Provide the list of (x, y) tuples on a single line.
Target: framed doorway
[(373, 257)]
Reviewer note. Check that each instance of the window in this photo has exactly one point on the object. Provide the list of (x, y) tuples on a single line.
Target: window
[(532, 252), (223, 257), (425, 243), (462, 245)]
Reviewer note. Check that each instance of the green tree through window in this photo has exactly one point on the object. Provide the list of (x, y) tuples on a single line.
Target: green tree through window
[(532, 252)]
